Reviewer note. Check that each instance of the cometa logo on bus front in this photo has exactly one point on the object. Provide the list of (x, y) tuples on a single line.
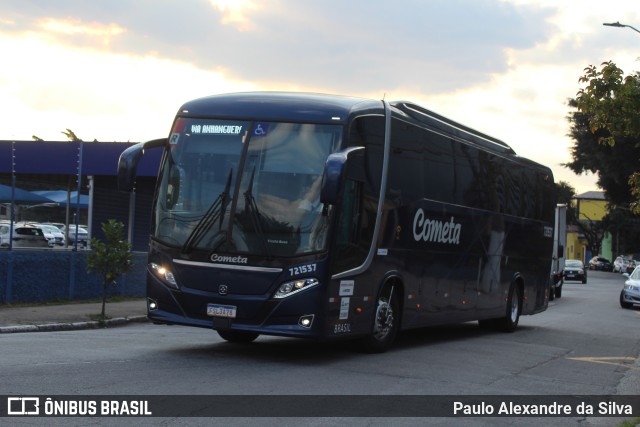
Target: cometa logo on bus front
[(431, 230), (229, 259)]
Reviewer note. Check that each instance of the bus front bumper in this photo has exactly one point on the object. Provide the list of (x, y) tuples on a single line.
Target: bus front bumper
[(296, 316)]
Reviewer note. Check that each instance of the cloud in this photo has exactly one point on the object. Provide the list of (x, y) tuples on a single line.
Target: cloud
[(346, 47), (119, 69)]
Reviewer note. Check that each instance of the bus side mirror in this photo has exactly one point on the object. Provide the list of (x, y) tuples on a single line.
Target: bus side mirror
[(128, 162), (333, 177)]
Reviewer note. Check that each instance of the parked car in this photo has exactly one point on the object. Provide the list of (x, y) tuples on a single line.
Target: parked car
[(83, 235), (600, 263), (631, 265), (23, 236), (58, 225), (630, 293), (620, 264), (574, 270), (52, 233)]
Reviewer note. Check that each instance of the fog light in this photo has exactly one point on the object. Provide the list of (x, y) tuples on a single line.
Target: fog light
[(152, 304), (306, 321)]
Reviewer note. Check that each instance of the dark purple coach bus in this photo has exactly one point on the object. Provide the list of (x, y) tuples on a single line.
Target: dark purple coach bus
[(319, 216)]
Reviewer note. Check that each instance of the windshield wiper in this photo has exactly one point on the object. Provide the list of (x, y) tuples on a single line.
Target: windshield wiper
[(215, 212), (252, 210)]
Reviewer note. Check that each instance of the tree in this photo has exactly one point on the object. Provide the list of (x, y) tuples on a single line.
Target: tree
[(71, 136), (565, 193), (613, 164), (593, 232), (610, 102), (111, 258)]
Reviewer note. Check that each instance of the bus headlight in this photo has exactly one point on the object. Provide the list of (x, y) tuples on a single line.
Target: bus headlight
[(164, 274), (290, 288)]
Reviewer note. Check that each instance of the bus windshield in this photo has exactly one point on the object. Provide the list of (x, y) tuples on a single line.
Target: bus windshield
[(244, 187)]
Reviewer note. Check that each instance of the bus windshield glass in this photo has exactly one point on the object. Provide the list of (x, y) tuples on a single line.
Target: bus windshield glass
[(244, 187)]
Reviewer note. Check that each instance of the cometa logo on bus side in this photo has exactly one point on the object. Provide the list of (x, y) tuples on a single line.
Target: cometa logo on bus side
[(432, 230)]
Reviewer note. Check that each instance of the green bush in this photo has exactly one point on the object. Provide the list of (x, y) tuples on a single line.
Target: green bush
[(111, 258)]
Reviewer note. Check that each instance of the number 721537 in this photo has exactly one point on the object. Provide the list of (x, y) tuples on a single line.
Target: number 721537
[(302, 269)]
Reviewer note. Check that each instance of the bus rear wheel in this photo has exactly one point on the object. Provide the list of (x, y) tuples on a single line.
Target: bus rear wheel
[(238, 336), (385, 324), (509, 322)]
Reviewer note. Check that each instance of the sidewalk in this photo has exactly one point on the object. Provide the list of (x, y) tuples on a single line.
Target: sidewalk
[(70, 316)]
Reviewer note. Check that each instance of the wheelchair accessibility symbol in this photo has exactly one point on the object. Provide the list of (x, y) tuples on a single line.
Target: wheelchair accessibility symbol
[(260, 129)]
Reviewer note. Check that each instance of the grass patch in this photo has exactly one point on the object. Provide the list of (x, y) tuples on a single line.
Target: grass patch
[(631, 423), (115, 298), (98, 318)]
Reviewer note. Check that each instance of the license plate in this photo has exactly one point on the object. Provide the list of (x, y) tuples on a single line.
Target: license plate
[(217, 310)]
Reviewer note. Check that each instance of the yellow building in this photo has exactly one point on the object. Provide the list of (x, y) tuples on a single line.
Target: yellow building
[(576, 246), (590, 206)]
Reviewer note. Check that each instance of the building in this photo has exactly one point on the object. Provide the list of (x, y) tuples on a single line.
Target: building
[(590, 207), (59, 165)]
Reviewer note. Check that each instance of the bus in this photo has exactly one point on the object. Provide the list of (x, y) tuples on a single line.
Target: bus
[(322, 216)]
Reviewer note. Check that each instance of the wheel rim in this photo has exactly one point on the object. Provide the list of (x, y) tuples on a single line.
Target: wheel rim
[(514, 306), (384, 320)]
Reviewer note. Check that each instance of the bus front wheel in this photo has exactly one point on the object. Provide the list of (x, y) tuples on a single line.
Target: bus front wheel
[(386, 322), (237, 336)]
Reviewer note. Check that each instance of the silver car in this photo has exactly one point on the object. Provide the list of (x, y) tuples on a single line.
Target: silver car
[(52, 233), (83, 235), (22, 236), (630, 294)]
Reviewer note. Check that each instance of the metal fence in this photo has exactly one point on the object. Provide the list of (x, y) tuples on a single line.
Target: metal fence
[(38, 276)]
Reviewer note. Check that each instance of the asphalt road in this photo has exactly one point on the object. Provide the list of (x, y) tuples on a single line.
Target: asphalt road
[(584, 344)]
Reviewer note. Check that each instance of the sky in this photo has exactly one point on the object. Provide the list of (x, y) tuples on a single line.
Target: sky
[(119, 70)]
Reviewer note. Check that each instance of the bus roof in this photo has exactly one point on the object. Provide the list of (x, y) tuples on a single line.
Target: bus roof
[(323, 108), (294, 107), (444, 124)]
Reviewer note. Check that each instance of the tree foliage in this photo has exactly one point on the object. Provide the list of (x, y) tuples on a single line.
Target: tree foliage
[(614, 160), (611, 100), (565, 192), (111, 258), (610, 105), (613, 164), (71, 136)]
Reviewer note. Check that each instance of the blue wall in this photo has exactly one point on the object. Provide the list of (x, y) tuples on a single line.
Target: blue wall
[(30, 276)]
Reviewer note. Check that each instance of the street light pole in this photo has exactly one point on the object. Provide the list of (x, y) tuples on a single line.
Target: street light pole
[(619, 25)]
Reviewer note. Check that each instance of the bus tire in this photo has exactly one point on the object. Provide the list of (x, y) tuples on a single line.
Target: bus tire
[(238, 336), (386, 322), (559, 291), (509, 322)]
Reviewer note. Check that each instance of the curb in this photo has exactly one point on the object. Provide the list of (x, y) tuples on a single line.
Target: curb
[(73, 326)]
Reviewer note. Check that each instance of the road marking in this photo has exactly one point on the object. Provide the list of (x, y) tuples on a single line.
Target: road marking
[(616, 361)]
